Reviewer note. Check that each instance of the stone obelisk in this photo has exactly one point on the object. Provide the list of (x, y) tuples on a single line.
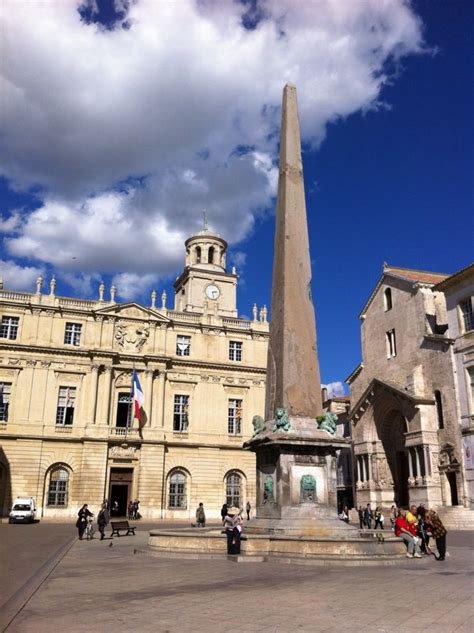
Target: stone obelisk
[(295, 445), (293, 380)]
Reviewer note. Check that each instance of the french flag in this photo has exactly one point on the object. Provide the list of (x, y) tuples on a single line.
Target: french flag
[(137, 396)]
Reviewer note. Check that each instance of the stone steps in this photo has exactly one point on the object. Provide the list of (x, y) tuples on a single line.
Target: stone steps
[(456, 517)]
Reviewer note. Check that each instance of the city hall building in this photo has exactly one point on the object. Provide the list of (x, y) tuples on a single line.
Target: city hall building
[(66, 364)]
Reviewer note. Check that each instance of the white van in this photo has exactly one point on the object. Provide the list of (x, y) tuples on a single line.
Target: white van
[(23, 510)]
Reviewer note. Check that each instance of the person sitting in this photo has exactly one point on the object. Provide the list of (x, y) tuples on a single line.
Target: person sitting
[(402, 530)]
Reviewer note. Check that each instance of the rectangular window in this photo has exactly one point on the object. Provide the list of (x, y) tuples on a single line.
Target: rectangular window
[(391, 344), (5, 392), (470, 372), (235, 350), (467, 315), (72, 334), (9, 327), (183, 345), (180, 414), (234, 417), (66, 403)]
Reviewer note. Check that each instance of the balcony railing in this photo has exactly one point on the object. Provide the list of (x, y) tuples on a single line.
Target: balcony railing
[(62, 428), (122, 431)]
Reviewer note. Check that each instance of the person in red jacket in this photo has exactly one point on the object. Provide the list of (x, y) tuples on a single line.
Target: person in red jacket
[(402, 530)]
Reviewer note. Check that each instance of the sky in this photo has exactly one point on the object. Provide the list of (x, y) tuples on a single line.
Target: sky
[(122, 120)]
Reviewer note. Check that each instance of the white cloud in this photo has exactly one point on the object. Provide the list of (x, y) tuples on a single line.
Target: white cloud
[(17, 277), (182, 107), (129, 285), (334, 389)]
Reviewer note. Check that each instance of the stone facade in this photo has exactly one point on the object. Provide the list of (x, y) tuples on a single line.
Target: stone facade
[(406, 427), (65, 378), (459, 292)]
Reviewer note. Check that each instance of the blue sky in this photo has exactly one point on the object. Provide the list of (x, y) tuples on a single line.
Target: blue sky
[(114, 136)]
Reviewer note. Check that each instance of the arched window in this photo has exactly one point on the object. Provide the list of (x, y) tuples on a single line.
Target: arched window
[(177, 490), (58, 487), (233, 490), (198, 254), (387, 299), (210, 255), (439, 409)]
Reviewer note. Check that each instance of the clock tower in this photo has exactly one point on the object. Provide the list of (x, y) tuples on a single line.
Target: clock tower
[(205, 284)]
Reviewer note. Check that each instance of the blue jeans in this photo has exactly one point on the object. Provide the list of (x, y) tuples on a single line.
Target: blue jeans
[(410, 543)]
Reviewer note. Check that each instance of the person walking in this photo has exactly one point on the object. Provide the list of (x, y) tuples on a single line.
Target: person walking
[(102, 520), (438, 532), (200, 516), (248, 507), (81, 522), (360, 512)]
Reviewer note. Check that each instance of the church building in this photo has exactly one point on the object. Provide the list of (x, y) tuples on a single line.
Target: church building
[(411, 437), (66, 433)]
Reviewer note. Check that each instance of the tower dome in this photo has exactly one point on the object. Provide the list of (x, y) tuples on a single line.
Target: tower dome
[(207, 251)]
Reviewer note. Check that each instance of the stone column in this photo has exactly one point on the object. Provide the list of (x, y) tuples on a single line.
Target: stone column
[(107, 389), (417, 458), (93, 392), (148, 394), (359, 475), (369, 466), (410, 464), (159, 417), (427, 460)]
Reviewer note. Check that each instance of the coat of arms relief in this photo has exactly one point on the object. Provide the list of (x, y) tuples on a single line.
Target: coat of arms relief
[(131, 337)]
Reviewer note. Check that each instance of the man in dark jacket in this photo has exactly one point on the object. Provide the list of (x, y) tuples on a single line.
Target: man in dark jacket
[(102, 520)]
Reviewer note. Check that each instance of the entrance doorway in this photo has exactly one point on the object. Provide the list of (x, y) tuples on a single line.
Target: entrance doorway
[(453, 488), (401, 494), (120, 490)]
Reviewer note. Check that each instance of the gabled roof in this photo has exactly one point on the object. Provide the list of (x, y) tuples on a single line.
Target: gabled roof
[(408, 275), (458, 277), (134, 310), (391, 386)]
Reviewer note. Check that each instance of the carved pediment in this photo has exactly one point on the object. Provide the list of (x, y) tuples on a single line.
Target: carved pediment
[(133, 311)]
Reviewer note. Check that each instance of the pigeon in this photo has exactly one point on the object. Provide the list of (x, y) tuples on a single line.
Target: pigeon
[(110, 544)]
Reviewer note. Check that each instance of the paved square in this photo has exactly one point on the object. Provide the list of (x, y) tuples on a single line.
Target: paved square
[(98, 587)]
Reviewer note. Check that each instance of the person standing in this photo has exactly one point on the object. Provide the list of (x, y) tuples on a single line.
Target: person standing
[(368, 516), (378, 518), (393, 516), (223, 512), (81, 522), (238, 522), (200, 516), (438, 532), (248, 507), (360, 512), (102, 520), (228, 523)]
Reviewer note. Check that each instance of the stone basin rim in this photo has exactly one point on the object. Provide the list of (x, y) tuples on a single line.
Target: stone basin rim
[(275, 537)]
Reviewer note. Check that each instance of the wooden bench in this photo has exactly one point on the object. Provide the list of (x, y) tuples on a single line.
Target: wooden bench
[(122, 525)]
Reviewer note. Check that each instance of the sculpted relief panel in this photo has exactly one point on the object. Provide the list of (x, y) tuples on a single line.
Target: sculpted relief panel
[(131, 337)]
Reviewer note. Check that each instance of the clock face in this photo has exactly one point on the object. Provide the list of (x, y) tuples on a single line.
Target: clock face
[(212, 292)]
